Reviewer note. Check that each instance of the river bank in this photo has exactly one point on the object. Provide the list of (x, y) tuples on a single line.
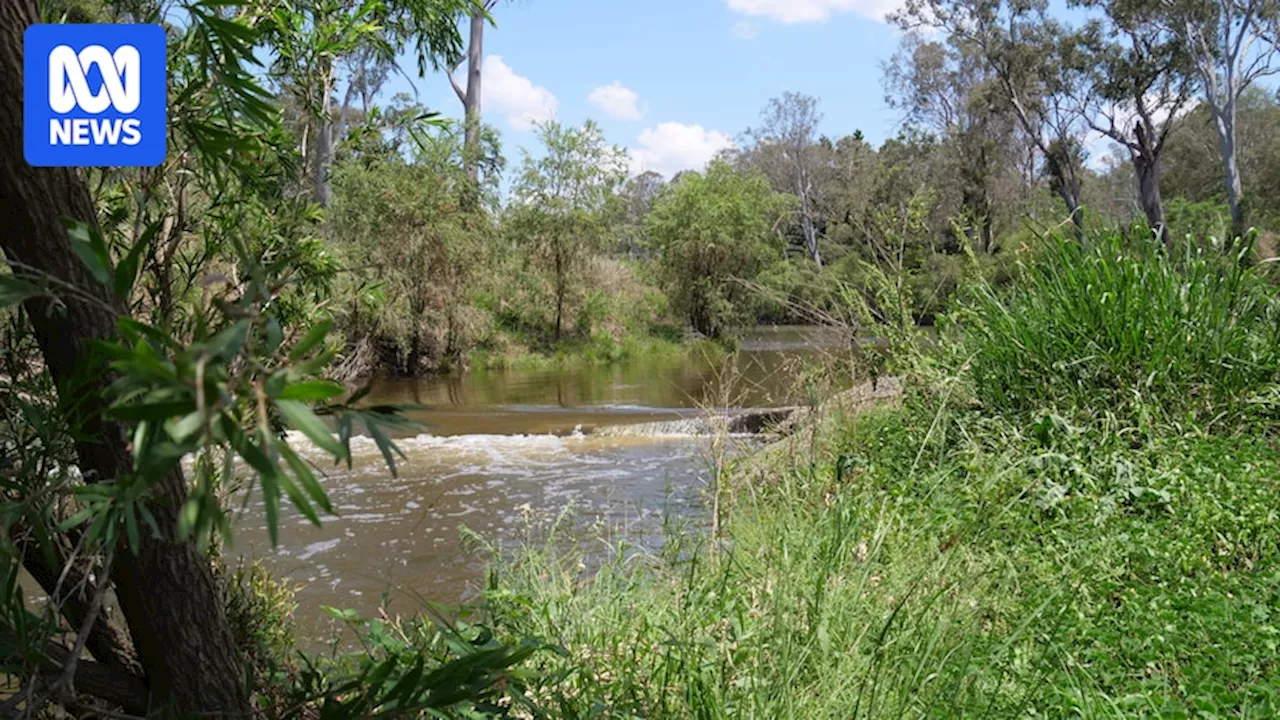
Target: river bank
[(930, 560), (1099, 540)]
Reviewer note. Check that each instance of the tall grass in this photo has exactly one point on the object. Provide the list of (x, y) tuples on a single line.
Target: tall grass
[(996, 558), (1119, 323)]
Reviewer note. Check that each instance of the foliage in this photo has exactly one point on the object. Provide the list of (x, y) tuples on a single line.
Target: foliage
[(712, 232), (562, 201), (957, 556), (1117, 325), (211, 268), (402, 225)]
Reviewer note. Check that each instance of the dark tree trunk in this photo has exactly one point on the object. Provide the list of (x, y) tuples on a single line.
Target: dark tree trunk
[(106, 642), (1146, 165), (1148, 173), (167, 592), (1064, 179)]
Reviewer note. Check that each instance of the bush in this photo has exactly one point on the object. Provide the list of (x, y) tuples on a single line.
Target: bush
[(1120, 323)]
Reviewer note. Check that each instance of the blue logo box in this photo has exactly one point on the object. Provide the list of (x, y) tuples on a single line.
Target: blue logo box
[(94, 95)]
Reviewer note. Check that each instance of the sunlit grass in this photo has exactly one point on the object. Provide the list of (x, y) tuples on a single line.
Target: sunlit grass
[(1051, 526)]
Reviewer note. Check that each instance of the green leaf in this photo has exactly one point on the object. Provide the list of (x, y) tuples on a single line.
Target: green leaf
[(307, 478), (302, 419), (100, 522), (252, 454), (313, 338), (228, 342), (14, 290), (275, 335), (127, 270), (84, 514), (388, 448), (312, 390), (271, 500), (131, 528), (298, 499), (188, 517), (185, 428), (152, 412), (90, 248)]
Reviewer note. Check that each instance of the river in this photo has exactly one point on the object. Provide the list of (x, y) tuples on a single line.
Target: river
[(612, 449)]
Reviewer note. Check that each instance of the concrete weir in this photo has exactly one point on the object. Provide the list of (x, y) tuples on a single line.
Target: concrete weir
[(756, 421)]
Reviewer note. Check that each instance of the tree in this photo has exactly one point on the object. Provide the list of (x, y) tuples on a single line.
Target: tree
[(561, 201), (947, 90), (406, 222), (1130, 78), (1019, 42), (712, 232), (637, 197), (99, 415), (471, 96), (1232, 44), (784, 147), (314, 40), (166, 589)]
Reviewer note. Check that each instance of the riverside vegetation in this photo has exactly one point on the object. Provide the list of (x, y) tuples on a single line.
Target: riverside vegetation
[(1072, 512)]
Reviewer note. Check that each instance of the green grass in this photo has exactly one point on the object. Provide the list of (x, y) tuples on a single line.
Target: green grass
[(1119, 323), (1006, 544)]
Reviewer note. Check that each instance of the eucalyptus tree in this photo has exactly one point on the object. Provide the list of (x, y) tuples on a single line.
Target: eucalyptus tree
[(1020, 44), (313, 40), (1232, 44), (1130, 78), (470, 96), (785, 146), (945, 89)]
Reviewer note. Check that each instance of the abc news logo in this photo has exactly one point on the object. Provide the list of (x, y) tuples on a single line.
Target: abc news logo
[(95, 95), (69, 89)]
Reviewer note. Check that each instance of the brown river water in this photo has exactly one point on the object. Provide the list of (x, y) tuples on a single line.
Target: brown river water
[(614, 449)]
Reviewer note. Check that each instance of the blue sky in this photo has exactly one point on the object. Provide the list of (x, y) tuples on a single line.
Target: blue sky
[(674, 80)]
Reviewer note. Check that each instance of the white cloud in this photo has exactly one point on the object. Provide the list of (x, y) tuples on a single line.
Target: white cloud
[(804, 11), (617, 101), (671, 147), (745, 30), (515, 96)]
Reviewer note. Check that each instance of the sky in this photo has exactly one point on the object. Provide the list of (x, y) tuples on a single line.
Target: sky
[(674, 81)]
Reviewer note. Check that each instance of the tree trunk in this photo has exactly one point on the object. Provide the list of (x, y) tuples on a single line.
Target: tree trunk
[(810, 234), (471, 101), (324, 136), (167, 592), (1064, 179), (1148, 172), (1225, 124), (1145, 155)]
